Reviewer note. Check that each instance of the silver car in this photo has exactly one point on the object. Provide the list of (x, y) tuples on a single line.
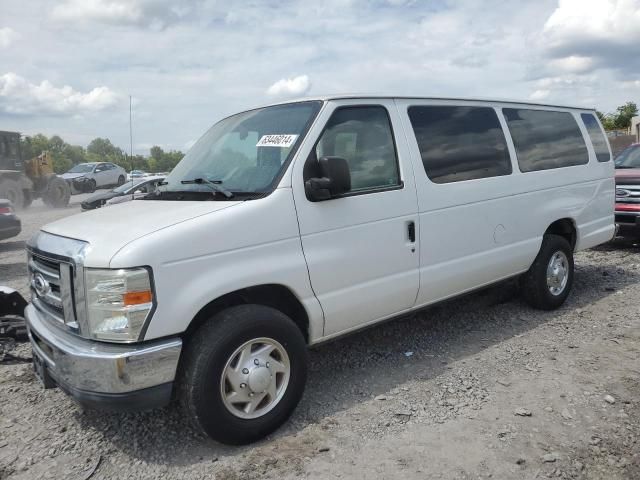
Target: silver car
[(86, 177)]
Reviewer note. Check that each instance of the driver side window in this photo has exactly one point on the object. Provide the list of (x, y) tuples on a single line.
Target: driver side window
[(363, 137)]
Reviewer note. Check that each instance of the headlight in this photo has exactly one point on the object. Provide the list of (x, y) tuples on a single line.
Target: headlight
[(118, 303)]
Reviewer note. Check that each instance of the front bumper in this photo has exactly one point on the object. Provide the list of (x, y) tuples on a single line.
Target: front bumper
[(628, 219), (101, 375)]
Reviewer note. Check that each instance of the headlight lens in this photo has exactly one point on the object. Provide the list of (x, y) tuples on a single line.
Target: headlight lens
[(118, 303)]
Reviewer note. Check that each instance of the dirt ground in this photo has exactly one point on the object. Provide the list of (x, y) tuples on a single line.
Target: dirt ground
[(479, 387)]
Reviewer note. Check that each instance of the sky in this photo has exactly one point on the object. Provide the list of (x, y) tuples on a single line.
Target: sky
[(68, 67)]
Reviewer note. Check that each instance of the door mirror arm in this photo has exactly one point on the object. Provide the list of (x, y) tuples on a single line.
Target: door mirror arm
[(335, 179)]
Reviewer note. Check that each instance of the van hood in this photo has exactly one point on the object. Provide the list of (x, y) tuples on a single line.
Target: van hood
[(107, 230)]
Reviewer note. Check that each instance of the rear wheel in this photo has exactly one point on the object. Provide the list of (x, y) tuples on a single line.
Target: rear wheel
[(12, 191), (58, 193), (243, 373), (27, 198), (547, 283)]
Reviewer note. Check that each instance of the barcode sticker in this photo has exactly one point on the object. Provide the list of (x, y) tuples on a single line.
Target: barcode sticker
[(281, 141)]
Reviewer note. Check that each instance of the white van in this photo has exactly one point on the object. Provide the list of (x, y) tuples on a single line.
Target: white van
[(292, 224)]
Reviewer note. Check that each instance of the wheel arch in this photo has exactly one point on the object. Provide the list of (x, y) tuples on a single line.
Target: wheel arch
[(270, 295), (564, 227)]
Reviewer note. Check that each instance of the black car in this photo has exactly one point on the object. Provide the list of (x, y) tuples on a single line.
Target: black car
[(10, 225), (143, 185)]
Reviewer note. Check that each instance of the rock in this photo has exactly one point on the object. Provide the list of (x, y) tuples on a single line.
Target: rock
[(548, 409), (521, 461), (323, 449), (609, 399), (549, 458), (381, 398), (566, 414), (403, 413), (504, 383), (408, 354), (522, 412)]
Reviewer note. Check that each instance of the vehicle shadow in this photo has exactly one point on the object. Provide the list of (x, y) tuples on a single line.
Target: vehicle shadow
[(354, 369)]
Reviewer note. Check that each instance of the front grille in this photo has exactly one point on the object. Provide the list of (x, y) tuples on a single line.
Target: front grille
[(50, 283), (627, 193)]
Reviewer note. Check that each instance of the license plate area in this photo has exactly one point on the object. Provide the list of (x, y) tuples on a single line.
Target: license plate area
[(41, 371)]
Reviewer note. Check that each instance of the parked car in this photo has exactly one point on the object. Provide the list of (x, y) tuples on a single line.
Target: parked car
[(10, 224), (136, 174), (628, 191), (86, 177), (124, 193), (292, 224)]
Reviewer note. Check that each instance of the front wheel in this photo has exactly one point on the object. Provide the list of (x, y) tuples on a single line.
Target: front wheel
[(243, 373), (121, 180), (547, 283)]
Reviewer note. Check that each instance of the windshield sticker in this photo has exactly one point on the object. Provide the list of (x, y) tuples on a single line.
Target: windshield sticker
[(281, 141)]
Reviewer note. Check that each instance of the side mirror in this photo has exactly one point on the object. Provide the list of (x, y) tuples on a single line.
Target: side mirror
[(335, 180)]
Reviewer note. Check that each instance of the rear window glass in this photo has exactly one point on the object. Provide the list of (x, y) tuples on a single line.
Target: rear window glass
[(598, 140), (460, 143), (545, 139)]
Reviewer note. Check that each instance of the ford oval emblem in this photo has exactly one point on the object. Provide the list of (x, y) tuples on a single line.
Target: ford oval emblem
[(621, 192), (40, 284)]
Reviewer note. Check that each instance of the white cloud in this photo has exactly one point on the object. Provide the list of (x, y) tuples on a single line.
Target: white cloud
[(590, 34), (7, 36), (157, 13), (19, 96), (540, 94), (290, 87)]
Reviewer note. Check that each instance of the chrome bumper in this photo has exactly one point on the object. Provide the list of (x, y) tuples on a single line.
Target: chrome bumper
[(97, 374)]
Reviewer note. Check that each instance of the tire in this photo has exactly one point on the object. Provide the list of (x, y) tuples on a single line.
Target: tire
[(27, 198), (12, 190), (58, 193), (212, 350), (90, 186), (120, 180), (545, 294)]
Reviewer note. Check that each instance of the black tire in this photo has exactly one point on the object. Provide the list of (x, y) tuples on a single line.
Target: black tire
[(90, 186), (58, 193), (12, 191), (121, 180), (204, 359), (27, 198), (535, 290)]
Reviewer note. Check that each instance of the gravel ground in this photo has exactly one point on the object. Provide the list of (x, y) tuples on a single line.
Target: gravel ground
[(479, 387)]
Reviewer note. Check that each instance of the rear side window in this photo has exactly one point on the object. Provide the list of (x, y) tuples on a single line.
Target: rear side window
[(460, 143), (363, 137), (598, 139), (545, 139)]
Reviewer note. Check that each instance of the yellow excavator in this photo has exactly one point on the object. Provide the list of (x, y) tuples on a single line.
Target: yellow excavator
[(22, 181)]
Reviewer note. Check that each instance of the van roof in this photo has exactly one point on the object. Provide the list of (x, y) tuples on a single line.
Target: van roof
[(344, 96)]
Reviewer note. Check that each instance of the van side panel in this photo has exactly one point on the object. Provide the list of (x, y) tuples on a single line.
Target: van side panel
[(476, 232)]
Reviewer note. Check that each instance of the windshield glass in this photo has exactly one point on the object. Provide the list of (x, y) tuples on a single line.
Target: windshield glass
[(629, 157), (244, 152), (82, 168)]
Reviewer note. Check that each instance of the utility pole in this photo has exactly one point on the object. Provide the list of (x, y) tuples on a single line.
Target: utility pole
[(130, 134)]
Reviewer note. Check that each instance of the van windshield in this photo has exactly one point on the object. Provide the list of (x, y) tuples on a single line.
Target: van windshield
[(244, 153)]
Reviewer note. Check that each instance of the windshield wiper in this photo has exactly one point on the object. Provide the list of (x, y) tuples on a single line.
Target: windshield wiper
[(214, 184), (625, 166)]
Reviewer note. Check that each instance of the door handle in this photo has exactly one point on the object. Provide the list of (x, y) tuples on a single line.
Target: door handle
[(411, 231)]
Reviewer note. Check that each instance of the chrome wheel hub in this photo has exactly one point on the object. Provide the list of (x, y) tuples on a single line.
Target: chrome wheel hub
[(557, 273), (255, 378)]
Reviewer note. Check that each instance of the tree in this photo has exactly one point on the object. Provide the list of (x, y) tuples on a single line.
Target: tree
[(102, 147), (625, 112)]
